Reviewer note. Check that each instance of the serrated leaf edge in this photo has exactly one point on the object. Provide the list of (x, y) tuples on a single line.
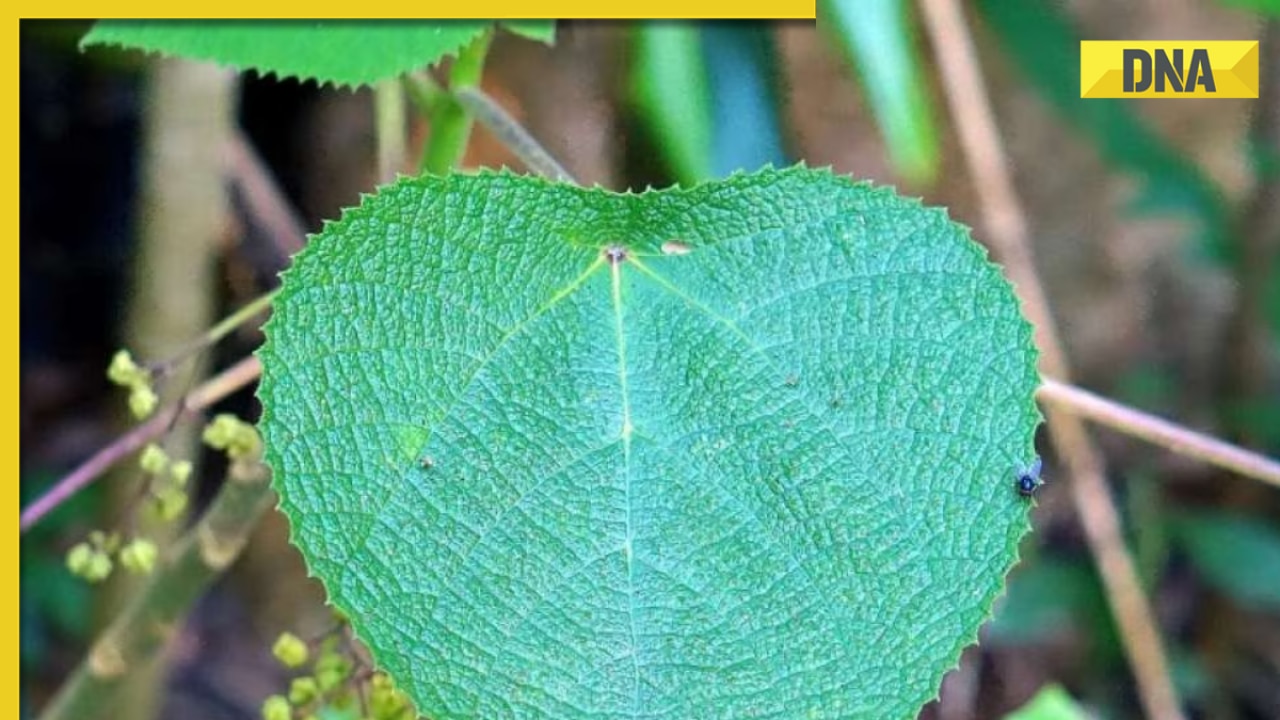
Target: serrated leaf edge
[(274, 73)]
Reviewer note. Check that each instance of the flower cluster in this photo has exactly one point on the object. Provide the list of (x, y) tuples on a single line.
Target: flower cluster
[(126, 373), (332, 681)]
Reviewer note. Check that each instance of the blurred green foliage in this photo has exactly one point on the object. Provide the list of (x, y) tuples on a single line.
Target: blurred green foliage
[(1051, 703), (54, 603), (1236, 554), (671, 92), (707, 95), (878, 38), (1043, 42)]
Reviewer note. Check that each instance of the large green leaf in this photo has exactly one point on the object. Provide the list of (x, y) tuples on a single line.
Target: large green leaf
[(342, 52), (740, 450)]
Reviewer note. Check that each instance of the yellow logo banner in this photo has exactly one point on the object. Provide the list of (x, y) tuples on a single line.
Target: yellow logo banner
[(1169, 69)]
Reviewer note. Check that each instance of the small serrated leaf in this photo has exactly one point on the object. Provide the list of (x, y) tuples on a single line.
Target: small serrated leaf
[(342, 52), (770, 474)]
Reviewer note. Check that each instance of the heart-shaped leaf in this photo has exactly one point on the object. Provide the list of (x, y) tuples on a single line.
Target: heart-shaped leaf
[(342, 52), (741, 450)]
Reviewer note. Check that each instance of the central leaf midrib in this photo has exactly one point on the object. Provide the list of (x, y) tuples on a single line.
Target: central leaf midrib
[(627, 431), (615, 276)]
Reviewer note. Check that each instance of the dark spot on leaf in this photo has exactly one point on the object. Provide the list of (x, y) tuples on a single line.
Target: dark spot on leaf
[(427, 462), (615, 254)]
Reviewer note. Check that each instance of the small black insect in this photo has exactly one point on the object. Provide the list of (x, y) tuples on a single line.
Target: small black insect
[(1029, 479)]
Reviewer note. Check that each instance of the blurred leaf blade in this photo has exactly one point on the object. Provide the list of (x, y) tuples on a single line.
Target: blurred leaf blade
[(1266, 7), (1042, 42), (745, 129), (1051, 703), (1238, 555), (543, 31), (876, 36), (673, 96)]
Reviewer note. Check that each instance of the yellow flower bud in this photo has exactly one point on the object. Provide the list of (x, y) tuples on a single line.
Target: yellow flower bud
[(124, 371), (290, 650), (180, 471), (142, 401), (303, 690), (154, 459), (139, 556), (170, 501), (78, 558), (277, 707)]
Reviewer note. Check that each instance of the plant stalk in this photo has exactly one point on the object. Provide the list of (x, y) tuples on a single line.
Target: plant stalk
[(225, 327), (389, 118), (154, 616), (450, 123), (183, 208), (510, 133), (1158, 431)]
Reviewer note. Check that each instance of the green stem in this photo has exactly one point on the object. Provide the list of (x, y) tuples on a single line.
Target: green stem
[(423, 92), (136, 637), (240, 317), (450, 123), (389, 104)]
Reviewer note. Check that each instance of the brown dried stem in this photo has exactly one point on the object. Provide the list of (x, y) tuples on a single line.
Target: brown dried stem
[(1159, 431)]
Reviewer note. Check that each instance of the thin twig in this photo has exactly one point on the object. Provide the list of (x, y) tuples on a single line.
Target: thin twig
[(1007, 230), (220, 386), (267, 204), (1159, 431), (263, 198), (511, 133)]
